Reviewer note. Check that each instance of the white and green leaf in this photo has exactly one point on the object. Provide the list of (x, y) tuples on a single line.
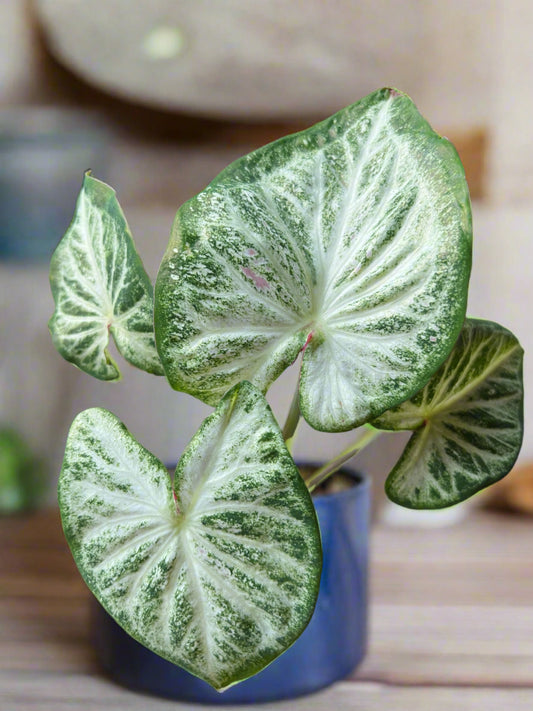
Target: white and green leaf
[(220, 575), (350, 241), (100, 286), (467, 421)]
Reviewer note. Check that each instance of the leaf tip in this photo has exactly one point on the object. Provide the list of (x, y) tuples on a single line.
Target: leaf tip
[(395, 93)]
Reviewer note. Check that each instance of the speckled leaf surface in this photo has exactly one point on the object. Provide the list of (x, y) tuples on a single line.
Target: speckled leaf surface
[(219, 577), (99, 286), (350, 241), (467, 421)]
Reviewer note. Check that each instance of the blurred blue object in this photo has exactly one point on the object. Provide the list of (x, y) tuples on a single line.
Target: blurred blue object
[(329, 649), (43, 154)]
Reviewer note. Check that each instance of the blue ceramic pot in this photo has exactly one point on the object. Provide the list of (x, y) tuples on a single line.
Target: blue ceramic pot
[(43, 153), (329, 649)]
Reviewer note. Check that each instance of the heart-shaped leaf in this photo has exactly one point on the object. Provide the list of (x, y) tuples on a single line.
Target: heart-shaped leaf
[(467, 421), (350, 240), (219, 577), (99, 285)]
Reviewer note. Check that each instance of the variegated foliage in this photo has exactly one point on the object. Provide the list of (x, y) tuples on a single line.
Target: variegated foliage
[(99, 286), (350, 241), (219, 575), (467, 421)]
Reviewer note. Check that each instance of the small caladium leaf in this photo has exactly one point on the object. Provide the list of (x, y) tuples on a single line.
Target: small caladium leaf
[(350, 241), (467, 421), (99, 286), (219, 576)]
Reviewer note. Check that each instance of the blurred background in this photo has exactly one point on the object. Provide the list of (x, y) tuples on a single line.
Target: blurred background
[(157, 97)]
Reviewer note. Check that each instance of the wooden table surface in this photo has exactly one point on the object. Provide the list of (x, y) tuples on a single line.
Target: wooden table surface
[(451, 623)]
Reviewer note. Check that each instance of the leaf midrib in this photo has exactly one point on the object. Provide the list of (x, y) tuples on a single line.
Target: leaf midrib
[(447, 404), (106, 298), (199, 487), (340, 223)]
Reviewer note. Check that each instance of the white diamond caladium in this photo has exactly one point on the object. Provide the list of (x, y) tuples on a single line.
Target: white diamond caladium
[(467, 421), (350, 241), (99, 286), (219, 574)]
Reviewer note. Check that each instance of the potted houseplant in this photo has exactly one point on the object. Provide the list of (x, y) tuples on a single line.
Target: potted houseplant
[(348, 244)]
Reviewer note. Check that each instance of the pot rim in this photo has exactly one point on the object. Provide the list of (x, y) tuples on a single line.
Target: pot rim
[(361, 482)]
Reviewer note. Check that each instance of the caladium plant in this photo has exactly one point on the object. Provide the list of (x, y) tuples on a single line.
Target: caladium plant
[(348, 244)]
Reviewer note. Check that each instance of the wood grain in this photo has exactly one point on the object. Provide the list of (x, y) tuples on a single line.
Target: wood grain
[(451, 623)]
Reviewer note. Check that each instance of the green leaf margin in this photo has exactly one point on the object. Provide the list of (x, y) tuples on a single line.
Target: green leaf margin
[(82, 321)]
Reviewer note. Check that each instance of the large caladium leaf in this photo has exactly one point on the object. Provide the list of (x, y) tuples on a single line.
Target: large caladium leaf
[(350, 240), (467, 421), (99, 286), (220, 575)]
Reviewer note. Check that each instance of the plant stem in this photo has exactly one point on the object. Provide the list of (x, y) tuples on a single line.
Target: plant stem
[(336, 463), (293, 418)]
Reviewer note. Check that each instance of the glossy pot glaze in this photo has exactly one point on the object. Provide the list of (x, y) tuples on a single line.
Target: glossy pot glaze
[(329, 649)]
